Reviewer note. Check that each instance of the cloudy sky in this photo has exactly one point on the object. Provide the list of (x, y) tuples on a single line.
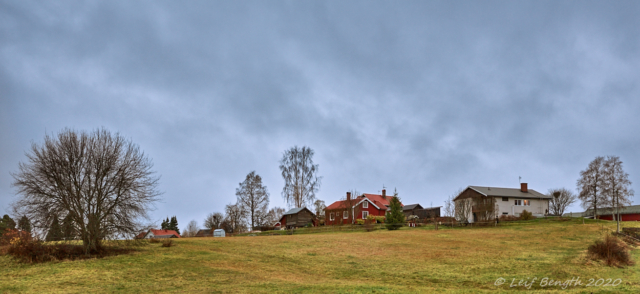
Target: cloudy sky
[(426, 96)]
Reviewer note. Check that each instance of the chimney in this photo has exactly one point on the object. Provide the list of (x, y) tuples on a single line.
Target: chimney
[(348, 196), (523, 187), (384, 193)]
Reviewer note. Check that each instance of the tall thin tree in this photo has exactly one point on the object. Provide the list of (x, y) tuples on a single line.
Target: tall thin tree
[(301, 181), (591, 186), (253, 198), (617, 186)]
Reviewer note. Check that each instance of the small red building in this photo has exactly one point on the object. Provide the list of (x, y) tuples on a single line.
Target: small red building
[(351, 209)]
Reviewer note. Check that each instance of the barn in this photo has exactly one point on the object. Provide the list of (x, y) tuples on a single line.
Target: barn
[(628, 213), (298, 217)]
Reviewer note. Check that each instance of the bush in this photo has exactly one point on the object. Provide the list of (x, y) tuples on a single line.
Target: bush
[(525, 215), (154, 240), (167, 243), (377, 218), (360, 222), (34, 251), (10, 234), (508, 218), (612, 251)]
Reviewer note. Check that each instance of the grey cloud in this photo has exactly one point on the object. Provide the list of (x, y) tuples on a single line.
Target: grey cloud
[(423, 96)]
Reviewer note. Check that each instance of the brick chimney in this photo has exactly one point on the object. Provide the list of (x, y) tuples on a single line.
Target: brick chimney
[(348, 196), (384, 193), (523, 187)]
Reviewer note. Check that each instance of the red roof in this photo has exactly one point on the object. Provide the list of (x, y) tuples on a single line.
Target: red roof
[(164, 232), (376, 199)]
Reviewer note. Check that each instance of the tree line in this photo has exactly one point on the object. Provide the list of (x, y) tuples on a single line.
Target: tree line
[(251, 209)]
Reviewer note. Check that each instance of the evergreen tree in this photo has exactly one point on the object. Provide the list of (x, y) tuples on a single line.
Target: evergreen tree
[(173, 224), (55, 232), (395, 217), (8, 222), (24, 224), (165, 224), (68, 228)]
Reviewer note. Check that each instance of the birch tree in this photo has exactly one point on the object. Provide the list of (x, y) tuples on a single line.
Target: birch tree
[(300, 176), (591, 186), (616, 186)]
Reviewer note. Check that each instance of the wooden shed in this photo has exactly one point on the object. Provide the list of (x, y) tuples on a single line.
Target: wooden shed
[(298, 217)]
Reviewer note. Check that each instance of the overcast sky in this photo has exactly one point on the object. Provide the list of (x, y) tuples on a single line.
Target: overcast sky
[(425, 97)]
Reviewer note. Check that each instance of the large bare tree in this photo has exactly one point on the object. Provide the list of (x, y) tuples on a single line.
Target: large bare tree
[(213, 221), (591, 186), (617, 186), (300, 176), (102, 181), (235, 220), (561, 198), (253, 198)]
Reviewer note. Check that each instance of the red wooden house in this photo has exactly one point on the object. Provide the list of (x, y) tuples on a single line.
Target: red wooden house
[(351, 209)]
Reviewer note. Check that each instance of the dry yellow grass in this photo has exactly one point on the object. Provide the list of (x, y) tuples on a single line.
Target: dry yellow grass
[(410, 260)]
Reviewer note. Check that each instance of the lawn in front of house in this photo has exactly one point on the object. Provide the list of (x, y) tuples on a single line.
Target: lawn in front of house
[(407, 260)]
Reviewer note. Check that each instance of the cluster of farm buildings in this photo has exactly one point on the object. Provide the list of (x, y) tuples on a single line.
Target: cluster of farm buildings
[(507, 202)]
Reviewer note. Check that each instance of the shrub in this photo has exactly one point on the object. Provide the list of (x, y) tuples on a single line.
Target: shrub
[(360, 222), (167, 243), (29, 250), (376, 218), (154, 240), (10, 234), (525, 215), (508, 218), (612, 251)]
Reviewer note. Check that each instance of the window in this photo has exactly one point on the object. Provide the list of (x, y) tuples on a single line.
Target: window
[(345, 214), (526, 202), (365, 214), (518, 202), (365, 204), (505, 213), (505, 198), (331, 216)]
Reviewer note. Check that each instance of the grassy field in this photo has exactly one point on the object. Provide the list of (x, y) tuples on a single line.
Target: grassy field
[(460, 260)]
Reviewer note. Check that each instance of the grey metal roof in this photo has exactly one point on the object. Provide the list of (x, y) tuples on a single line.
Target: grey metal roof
[(509, 192), (608, 210), (294, 210), (410, 206)]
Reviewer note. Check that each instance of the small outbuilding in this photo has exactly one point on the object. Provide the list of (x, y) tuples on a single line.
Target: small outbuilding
[(204, 233), (298, 217), (218, 233), (410, 209)]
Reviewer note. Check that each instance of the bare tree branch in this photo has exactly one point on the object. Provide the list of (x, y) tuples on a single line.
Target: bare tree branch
[(102, 181)]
